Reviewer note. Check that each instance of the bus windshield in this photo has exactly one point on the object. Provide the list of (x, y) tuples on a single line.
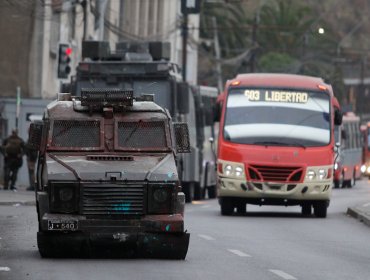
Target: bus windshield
[(280, 117)]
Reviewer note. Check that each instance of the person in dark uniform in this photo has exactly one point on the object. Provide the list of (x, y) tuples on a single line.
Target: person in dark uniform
[(31, 163), (13, 149)]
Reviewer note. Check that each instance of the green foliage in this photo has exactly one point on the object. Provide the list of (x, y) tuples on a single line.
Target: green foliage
[(278, 62)]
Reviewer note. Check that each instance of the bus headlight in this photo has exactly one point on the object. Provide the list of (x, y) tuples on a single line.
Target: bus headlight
[(228, 170), (233, 170), (322, 174), (310, 175), (363, 168)]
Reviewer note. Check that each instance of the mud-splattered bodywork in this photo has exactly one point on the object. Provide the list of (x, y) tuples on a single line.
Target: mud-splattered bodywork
[(108, 183)]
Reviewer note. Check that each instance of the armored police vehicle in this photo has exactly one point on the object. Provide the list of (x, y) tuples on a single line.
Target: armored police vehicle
[(145, 67), (107, 181)]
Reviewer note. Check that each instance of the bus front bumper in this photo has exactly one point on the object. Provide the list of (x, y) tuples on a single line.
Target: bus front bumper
[(277, 193)]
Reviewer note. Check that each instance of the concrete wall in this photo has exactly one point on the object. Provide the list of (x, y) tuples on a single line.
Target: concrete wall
[(16, 29)]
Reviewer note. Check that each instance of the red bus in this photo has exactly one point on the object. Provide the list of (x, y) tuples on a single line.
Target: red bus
[(276, 142), (347, 168), (365, 168)]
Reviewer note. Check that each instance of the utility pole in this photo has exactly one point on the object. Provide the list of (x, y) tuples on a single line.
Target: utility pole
[(218, 55), (187, 7), (184, 44), (83, 4)]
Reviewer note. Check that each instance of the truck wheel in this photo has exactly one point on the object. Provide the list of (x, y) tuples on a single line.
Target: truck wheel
[(320, 209), (227, 206), (211, 191), (306, 209)]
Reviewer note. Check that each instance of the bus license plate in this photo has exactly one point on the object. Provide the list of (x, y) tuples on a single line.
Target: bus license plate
[(62, 225)]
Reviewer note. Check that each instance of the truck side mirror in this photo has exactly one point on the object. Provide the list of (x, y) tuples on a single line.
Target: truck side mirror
[(182, 137), (338, 116), (35, 135), (183, 98)]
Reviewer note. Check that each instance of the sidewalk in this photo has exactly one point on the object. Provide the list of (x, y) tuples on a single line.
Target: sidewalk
[(360, 212), (18, 197)]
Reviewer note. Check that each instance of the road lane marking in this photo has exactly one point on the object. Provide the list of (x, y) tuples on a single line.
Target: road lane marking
[(206, 237), (283, 274), (205, 206), (4, 268), (366, 204), (238, 253)]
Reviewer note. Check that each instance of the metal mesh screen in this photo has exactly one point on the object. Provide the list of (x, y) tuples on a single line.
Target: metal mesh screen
[(72, 133), (141, 135)]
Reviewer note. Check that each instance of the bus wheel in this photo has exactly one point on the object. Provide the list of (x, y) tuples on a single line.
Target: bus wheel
[(320, 209), (227, 206), (241, 208), (306, 209)]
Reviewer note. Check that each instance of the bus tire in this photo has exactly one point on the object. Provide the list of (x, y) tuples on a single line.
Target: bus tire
[(227, 206), (241, 208), (306, 209), (320, 209)]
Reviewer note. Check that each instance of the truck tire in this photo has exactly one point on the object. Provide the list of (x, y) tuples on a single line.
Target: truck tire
[(227, 206), (320, 209)]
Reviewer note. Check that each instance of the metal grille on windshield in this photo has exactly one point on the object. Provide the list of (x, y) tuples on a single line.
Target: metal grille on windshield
[(75, 134), (142, 135), (112, 199)]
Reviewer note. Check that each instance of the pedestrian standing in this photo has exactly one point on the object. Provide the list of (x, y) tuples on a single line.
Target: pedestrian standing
[(31, 154), (13, 149)]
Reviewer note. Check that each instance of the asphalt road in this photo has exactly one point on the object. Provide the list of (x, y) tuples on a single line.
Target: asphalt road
[(266, 243)]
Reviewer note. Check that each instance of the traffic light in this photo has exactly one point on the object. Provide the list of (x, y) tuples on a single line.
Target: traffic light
[(64, 60)]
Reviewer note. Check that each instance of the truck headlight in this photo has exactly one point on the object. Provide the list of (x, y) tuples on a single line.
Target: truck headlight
[(161, 199), (228, 170), (64, 197)]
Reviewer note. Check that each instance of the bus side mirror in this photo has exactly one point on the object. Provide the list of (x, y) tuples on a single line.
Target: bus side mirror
[(182, 137), (35, 135), (183, 98), (338, 116)]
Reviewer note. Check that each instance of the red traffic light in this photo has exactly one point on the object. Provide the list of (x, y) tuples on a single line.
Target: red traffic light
[(68, 51)]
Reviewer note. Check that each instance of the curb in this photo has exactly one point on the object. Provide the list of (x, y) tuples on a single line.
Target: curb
[(17, 203), (359, 215)]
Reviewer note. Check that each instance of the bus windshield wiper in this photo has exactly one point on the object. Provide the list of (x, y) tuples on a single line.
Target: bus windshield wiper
[(277, 143)]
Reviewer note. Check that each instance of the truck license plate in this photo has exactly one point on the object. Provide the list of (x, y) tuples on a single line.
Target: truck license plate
[(62, 225)]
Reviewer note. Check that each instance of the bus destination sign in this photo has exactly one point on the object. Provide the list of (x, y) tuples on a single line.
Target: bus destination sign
[(276, 96)]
